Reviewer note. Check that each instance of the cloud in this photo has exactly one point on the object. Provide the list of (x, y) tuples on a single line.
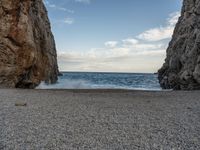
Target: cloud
[(139, 62), (157, 34), (130, 41), (111, 44), (173, 18), (83, 1), (161, 33), (68, 21), (53, 6), (143, 53), (67, 10), (135, 58), (63, 22)]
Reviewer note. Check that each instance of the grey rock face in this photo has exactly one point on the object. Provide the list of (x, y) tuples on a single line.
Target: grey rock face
[(27, 47), (181, 69)]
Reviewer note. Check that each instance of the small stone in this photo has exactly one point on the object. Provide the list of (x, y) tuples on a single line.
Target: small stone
[(21, 104)]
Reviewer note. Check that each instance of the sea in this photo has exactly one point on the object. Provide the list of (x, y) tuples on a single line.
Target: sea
[(102, 80)]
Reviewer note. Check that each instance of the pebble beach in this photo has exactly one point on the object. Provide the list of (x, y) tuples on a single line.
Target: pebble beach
[(99, 119)]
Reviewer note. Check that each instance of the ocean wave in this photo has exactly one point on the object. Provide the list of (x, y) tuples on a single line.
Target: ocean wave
[(104, 81), (66, 84), (83, 84)]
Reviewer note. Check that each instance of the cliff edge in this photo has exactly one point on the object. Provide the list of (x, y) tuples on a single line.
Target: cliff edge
[(181, 70), (27, 48)]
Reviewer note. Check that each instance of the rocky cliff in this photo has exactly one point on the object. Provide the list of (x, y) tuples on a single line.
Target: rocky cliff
[(181, 69), (27, 47)]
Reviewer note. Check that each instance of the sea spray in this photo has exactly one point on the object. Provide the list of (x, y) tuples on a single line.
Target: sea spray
[(66, 84)]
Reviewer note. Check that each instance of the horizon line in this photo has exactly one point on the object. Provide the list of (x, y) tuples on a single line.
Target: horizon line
[(107, 72)]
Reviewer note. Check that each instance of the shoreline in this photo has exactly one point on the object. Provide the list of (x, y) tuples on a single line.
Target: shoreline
[(99, 119), (106, 90), (115, 91)]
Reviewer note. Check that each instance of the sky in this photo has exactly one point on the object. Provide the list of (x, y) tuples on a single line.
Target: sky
[(112, 35)]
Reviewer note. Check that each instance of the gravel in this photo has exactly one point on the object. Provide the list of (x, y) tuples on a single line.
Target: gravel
[(99, 119)]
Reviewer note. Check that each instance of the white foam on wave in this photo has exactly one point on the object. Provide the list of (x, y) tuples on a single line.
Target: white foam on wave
[(76, 84), (83, 84), (66, 84)]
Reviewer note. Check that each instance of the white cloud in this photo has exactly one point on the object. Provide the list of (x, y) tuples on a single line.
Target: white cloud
[(68, 21), (144, 53), (83, 1), (62, 22), (54, 6), (173, 18), (67, 10), (130, 41), (111, 44), (157, 34), (161, 33), (139, 58), (146, 61)]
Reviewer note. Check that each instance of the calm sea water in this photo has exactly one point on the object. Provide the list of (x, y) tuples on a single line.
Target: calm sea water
[(85, 80)]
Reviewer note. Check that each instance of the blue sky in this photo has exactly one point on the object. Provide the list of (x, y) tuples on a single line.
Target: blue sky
[(112, 35)]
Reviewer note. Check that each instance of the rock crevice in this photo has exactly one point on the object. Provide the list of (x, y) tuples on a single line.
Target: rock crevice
[(181, 70), (27, 47)]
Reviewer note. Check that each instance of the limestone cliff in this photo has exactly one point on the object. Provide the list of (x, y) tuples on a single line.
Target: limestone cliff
[(181, 69), (27, 47)]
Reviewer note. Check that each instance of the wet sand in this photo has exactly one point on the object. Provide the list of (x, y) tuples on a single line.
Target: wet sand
[(99, 119)]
